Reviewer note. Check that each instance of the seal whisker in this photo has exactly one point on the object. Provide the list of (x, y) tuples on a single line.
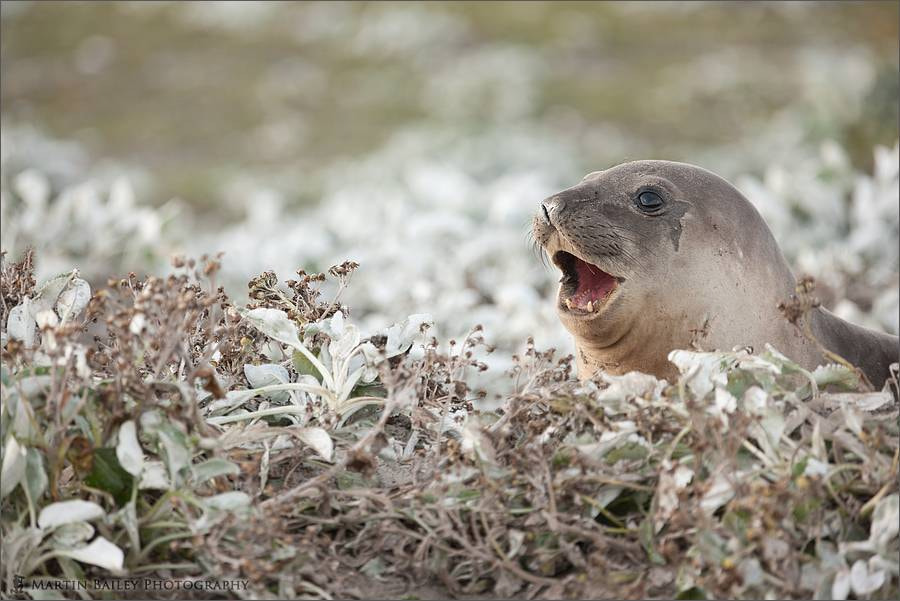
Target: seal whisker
[(536, 247)]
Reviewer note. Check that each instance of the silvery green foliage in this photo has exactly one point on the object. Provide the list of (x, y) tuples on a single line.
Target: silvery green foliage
[(58, 300), (97, 224), (786, 443), (128, 449), (14, 459), (66, 512), (326, 382), (781, 435), (63, 529)]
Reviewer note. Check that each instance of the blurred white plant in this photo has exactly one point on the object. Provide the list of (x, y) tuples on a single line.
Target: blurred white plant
[(439, 223), (436, 227), (101, 228), (840, 226)]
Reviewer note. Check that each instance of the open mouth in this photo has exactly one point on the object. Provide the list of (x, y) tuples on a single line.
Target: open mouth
[(585, 287)]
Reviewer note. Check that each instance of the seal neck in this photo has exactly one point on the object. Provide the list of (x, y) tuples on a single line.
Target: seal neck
[(630, 352)]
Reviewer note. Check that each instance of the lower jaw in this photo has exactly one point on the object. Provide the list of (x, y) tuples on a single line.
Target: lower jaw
[(598, 308)]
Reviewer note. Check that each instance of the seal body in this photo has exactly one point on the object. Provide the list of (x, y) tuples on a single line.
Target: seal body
[(657, 256)]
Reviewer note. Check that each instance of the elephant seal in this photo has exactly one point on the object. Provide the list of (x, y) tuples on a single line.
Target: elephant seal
[(654, 252)]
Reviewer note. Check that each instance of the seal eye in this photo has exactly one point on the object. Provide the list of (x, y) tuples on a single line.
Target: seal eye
[(649, 201)]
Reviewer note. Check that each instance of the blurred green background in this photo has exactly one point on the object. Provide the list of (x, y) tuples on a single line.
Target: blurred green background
[(199, 94), (299, 134)]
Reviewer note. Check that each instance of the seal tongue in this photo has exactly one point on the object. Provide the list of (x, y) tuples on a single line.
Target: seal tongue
[(594, 284)]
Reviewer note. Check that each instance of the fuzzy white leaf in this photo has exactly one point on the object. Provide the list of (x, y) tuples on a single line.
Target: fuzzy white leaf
[(32, 386), (720, 491), (475, 442), (137, 324), (276, 325), (818, 443), (213, 468), (767, 434), (773, 425), (336, 324), (401, 335), (154, 476), (46, 319), (66, 512), (852, 418), (348, 386), (23, 412), (755, 400), (264, 465), (121, 195), (885, 522), (35, 479), (73, 300), (233, 398), (82, 369), (273, 351), (14, 462), (622, 389), (861, 401), (100, 553), (864, 581), (702, 372), (228, 501), (815, 468), (319, 440), (671, 480), (343, 346), (840, 588), (751, 572), (69, 535), (516, 540), (49, 292), (620, 433), (725, 401), (128, 449), (177, 455), (371, 354), (607, 495), (268, 374), (20, 324), (841, 375)]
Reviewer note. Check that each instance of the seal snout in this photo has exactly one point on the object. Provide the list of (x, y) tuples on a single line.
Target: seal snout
[(546, 212), (551, 207)]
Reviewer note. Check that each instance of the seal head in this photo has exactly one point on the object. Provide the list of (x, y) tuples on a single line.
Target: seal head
[(657, 255)]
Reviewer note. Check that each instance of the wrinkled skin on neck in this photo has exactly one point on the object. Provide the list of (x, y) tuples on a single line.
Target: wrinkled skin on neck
[(701, 267)]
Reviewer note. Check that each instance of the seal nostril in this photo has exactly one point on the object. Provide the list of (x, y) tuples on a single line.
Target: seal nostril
[(546, 212)]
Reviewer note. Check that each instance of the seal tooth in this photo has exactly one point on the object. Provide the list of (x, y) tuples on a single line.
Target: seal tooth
[(569, 303), (590, 306)]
